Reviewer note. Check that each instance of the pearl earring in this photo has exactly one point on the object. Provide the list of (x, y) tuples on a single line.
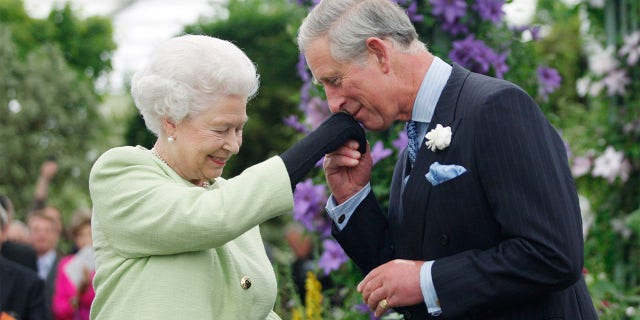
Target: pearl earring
[(170, 139)]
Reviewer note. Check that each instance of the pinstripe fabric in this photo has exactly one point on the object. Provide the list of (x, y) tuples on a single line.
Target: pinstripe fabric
[(506, 235)]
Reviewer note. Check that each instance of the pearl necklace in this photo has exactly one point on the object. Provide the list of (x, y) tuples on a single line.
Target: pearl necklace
[(205, 184)]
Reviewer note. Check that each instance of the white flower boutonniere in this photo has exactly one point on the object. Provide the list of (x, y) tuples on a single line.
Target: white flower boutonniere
[(438, 138)]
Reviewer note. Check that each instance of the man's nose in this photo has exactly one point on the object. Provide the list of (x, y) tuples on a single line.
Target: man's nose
[(335, 99)]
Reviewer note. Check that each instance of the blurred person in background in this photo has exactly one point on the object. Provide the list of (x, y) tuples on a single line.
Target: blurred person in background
[(18, 232), (73, 292), (21, 290), (12, 249), (166, 226), (44, 239)]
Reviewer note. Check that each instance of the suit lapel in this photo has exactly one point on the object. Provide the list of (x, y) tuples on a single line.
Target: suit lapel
[(416, 192)]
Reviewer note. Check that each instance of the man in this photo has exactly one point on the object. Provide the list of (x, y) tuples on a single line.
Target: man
[(44, 239), (502, 238), (21, 291)]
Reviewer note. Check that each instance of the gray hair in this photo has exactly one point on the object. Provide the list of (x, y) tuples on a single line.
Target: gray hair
[(348, 24), (187, 70)]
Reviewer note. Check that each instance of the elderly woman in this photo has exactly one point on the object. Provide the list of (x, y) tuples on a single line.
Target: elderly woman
[(172, 239)]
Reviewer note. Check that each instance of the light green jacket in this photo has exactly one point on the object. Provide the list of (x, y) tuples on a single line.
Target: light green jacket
[(166, 249)]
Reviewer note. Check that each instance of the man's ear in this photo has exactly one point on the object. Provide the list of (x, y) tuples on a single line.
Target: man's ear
[(381, 50)]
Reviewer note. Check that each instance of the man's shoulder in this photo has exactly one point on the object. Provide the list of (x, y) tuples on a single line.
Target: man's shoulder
[(11, 270), (20, 253)]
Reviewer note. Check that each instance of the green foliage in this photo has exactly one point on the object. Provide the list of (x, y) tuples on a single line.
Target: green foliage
[(87, 44), (47, 110), (48, 101)]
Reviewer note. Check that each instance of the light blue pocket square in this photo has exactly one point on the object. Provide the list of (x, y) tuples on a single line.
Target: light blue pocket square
[(439, 173)]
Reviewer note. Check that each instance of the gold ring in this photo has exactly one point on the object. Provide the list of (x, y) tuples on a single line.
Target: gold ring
[(383, 304)]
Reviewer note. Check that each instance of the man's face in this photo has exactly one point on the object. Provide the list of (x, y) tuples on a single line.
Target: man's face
[(360, 89), (44, 234)]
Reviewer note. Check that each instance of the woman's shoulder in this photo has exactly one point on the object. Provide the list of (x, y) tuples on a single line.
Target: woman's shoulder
[(124, 154)]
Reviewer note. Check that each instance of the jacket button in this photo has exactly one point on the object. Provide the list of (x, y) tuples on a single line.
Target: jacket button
[(407, 315), (245, 283), (444, 239)]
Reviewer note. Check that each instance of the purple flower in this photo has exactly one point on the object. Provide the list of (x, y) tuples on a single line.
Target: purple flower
[(363, 308), (293, 122), (308, 205), (549, 80), (305, 95), (332, 257), (412, 12), (316, 111), (476, 56), (455, 27), (490, 10), (499, 64), (301, 67), (535, 33), (449, 10), (379, 152), (401, 142)]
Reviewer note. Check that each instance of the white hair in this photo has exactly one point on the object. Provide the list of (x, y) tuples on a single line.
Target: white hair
[(187, 70), (348, 23)]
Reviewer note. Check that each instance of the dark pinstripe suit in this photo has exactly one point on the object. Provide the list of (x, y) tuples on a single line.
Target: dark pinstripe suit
[(506, 235)]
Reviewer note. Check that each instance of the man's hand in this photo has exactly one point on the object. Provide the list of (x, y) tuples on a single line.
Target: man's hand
[(397, 281), (347, 170)]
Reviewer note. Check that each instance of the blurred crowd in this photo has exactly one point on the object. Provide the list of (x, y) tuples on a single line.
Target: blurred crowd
[(40, 280)]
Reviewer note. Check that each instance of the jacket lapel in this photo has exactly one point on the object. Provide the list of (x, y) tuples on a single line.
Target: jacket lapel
[(416, 192)]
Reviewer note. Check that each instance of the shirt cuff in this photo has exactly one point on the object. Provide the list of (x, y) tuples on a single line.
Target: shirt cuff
[(340, 214), (428, 290)]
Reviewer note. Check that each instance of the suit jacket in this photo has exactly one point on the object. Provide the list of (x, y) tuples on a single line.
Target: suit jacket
[(20, 253), (21, 292), (166, 249), (506, 235), (50, 282)]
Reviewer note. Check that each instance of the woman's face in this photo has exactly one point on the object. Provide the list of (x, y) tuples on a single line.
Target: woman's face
[(204, 142), (83, 236)]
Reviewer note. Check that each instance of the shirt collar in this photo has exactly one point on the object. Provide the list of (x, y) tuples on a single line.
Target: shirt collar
[(45, 262), (430, 90)]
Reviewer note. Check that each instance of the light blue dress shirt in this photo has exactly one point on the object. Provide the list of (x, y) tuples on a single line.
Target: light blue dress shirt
[(423, 108)]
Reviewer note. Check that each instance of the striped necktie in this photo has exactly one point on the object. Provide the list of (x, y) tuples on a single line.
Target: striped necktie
[(412, 134)]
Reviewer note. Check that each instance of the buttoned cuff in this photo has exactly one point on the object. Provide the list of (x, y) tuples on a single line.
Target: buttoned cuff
[(340, 214), (428, 289)]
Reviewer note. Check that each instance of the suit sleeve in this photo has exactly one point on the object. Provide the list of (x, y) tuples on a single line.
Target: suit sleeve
[(36, 302), (523, 169), (365, 237)]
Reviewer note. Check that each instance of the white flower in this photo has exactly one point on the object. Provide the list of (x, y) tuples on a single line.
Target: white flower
[(602, 61), (438, 138), (580, 166), (587, 215), (615, 82), (631, 48), (610, 165)]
